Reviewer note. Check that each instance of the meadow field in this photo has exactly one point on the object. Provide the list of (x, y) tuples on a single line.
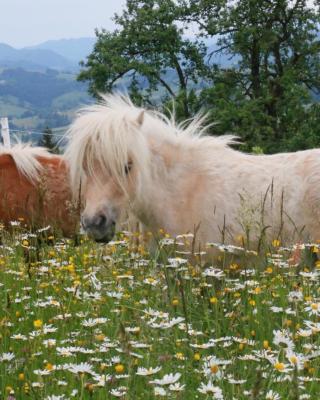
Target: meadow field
[(88, 321)]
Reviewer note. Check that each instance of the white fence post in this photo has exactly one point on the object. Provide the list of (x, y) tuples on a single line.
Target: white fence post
[(5, 132)]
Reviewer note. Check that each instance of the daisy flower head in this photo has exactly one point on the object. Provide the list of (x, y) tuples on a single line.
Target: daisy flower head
[(209, 388), (168, 379)]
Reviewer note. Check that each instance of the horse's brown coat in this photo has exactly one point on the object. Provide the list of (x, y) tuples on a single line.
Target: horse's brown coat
[(45, 201)]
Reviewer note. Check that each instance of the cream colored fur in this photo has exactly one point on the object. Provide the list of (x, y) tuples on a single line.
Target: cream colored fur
[(185, 181)]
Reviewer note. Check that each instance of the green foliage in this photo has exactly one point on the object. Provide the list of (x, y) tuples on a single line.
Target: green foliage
[(150, 50), (266, 98), (265, 94)]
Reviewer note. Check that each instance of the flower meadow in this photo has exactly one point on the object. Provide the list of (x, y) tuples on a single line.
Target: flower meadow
[(90, 321)]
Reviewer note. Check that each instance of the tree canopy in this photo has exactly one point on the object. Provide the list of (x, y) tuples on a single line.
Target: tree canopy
[(167, 53)]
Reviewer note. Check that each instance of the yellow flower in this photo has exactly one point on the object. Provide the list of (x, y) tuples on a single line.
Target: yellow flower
[(26, 388), (269, 270), (293, 359), (38, 323), (21, 376), (252, 302), (257, 290), (49, 367), (213, 300), (265, 344), (214, 369), (276, 243), (25, 243), (100, 337), (70, 268), (119, 368), (279, 366), (179, 356), (197, 356), (175, 302)]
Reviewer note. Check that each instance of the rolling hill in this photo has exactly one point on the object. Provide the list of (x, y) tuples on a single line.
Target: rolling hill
[(71, 49), (38, 85), (34, 100), (33, 59)]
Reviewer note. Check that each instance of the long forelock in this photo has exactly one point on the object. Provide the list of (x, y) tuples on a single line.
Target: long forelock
[(26, 159), (105, 137)]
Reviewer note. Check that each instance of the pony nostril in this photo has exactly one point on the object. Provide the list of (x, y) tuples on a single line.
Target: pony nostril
[(100, 221)]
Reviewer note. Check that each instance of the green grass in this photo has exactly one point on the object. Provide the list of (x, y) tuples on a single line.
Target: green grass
[(117, 309)]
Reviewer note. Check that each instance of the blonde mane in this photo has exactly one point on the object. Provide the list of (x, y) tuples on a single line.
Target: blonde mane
[(112, 131), (25, 158)]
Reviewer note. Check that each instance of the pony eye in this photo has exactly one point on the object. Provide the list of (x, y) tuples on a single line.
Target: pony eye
[(128, 167)]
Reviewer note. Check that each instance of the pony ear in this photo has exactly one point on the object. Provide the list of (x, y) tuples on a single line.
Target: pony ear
[(140, 118)]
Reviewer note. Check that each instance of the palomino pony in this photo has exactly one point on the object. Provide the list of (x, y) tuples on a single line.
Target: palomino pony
[(34, 187), (181, 180)]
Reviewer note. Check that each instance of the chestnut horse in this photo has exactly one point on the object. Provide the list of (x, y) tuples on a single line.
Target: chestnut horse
[(34, 188), (182, 180)]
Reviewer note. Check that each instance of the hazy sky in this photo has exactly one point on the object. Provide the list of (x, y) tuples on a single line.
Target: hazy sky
[(29, 22)]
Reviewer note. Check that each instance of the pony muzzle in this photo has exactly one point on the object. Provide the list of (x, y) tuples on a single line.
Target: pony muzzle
[(99, 227)]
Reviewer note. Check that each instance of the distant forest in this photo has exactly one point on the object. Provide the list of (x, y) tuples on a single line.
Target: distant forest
[(36, 88), (40, 99)]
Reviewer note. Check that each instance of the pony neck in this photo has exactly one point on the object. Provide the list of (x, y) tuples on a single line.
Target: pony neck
[(170, 166)]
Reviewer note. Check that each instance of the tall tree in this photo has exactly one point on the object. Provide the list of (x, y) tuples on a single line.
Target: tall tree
[(267, 96), (149, 53), (47, 141)]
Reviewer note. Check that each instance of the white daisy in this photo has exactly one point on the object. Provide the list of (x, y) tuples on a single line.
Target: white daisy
[(209, 388), (167, 379), (147, 371)]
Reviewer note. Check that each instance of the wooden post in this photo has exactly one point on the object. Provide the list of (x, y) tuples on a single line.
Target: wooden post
[(5, 132)]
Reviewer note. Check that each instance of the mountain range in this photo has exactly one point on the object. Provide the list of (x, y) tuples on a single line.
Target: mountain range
[(61, 55)]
